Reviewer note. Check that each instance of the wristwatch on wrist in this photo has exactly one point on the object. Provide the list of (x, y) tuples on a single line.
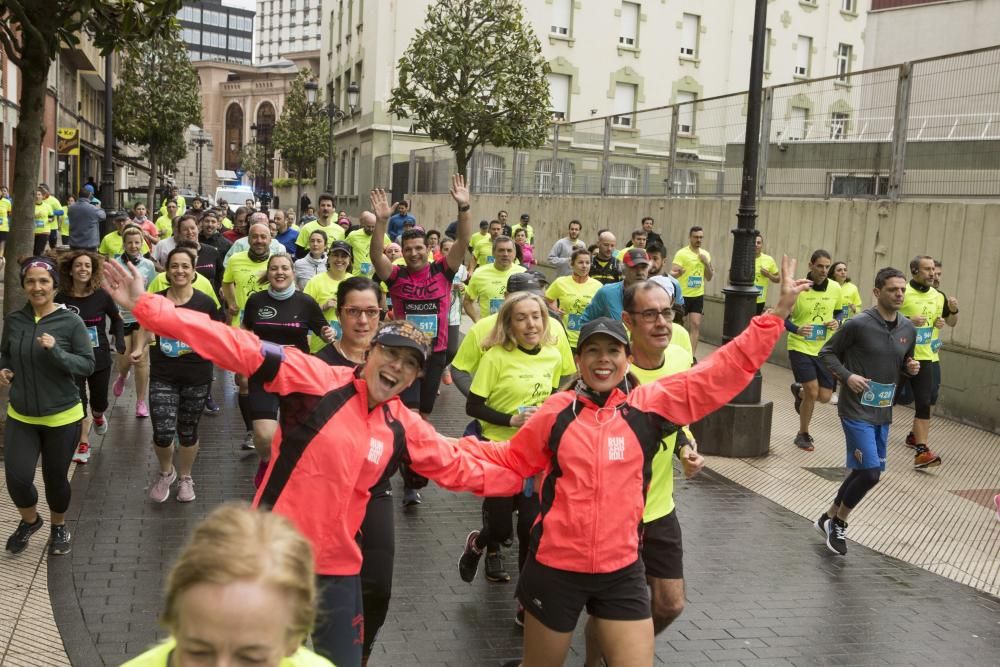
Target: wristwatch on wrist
[(463, 209)]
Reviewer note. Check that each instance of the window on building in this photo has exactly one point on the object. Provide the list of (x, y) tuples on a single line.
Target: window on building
[(798, 123), (844, 52), (559, 86), (623, 179), (562, 178), (838, 125), (489, 171), (628, 34), (624, 105), (562, 17), (850, 185), (767, 50), (803, 55), (685, 112), (690, 27), (685, 182), (849, 6)]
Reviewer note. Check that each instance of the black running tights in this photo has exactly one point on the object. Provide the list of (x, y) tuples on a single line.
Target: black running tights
[(24, 444), (498, 523), (378, 548), (855, 486)]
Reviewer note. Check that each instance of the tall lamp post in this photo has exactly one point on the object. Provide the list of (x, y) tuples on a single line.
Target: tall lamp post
[(108, 171), (334, 113), (200, 138), (743, 427)]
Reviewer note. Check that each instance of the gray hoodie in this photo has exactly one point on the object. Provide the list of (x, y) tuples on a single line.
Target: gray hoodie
[(562, 253), (868, 346)]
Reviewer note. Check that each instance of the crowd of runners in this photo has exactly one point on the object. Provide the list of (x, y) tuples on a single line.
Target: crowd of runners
[(339, 335)]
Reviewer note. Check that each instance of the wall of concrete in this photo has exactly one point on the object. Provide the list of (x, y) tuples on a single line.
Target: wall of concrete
[(868, 235)]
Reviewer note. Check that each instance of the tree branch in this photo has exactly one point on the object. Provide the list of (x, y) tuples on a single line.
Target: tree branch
[(7, 43), (15, 7)]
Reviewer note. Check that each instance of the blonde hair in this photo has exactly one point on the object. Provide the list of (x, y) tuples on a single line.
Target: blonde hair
[(236, 543), (503, 332)]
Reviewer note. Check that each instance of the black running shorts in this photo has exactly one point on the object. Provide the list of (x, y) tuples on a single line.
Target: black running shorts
[(662, 549)]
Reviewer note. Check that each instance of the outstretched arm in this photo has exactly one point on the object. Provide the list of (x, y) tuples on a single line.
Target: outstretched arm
[(382, 210), (463, 234)]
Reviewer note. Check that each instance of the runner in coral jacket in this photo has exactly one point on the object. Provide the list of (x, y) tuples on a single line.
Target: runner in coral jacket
[(341, 432)]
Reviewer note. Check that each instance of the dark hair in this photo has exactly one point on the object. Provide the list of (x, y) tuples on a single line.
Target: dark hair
[(915, 262), (40, 262), (638, 232), (696, 228), (411, 234), (503, 239), (291, 260), (182, 218), (66, 268), (246, 214), (592, 248), (187, 248), (656, 247), (434, 232), (833, 267), (578, 253), (575, 222), (356, 284), (495, 222), (326, 196), (884, 275), (938, 264), (321, 233), (645, 218), (819, 253)]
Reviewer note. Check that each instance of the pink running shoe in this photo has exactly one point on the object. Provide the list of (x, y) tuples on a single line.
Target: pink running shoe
[(996, 501), (140, 409), (119, 386)]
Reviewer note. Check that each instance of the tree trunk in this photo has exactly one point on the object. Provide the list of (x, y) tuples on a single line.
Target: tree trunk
[(151, 187), (28, 142), (462, 159)]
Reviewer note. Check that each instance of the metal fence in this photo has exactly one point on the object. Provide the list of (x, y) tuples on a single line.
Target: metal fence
[(927, 128)]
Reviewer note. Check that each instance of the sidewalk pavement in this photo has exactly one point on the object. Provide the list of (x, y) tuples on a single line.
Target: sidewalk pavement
[(762, 587)]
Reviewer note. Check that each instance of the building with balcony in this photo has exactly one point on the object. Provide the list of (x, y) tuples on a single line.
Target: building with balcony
[(286, 27), (214, 31), (606, 58)]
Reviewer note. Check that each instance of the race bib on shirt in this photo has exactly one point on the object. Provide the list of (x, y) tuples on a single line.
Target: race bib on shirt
[(40, 224), (818, 332), (337, 330), (694, 282), (878, 395), (935, 345), (423, 314), (574, 321), (172, 347), (366, 268), (92, 334), (924, 335), (496, 305)]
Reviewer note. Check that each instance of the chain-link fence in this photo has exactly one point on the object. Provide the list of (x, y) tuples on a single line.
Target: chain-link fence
[(930, 128)]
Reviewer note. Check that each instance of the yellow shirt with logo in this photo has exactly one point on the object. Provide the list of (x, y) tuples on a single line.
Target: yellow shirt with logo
[(930, 305), (165, 226), (57, 222), (334, 232), (244, 274), (481, 247), (660, 495), (572, 298), (112, 245), (510, 380), (322, 288), (760, 281), (43, 212), (850, 301), (815, 307), (693, 279), (361, 244), (488, 286)]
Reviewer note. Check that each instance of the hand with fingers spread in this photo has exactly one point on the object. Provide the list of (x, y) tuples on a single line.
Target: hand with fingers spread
[(380, 204), (123, 283), (459, 192), (790, 288)]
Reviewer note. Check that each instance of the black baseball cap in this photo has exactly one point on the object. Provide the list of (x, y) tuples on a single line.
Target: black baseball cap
[(524, 281), (342, 246), (603, 326), (525, 217), (401, 333)]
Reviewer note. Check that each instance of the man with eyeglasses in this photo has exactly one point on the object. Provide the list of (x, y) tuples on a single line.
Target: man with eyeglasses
[(607, 301)]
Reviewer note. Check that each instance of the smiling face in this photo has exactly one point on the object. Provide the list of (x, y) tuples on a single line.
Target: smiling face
[(187, 230), (260, 238), (602, 361), (388, 371), (503, 255), (280, 273), (180, 269), (132, 243), (415, 253), (39, 287), (209, 225), (655, 335), (338, 261), (527, 324), (358, 315), (240, 623), (82, 270)]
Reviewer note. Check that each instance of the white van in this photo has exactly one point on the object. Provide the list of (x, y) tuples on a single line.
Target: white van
[(235, 195)]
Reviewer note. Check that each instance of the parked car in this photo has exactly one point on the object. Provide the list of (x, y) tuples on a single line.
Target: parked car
[(235, 195)]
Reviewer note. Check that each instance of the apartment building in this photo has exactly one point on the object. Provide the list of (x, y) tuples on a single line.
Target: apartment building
[(286, 27), (214, 31)]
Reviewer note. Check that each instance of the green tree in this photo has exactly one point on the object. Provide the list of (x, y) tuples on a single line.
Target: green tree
[(159, 98), (474, 74), (31, 33), (301, 132), (253, 160)]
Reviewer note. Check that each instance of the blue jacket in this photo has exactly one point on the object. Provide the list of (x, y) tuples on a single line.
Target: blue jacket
[(396, 223), (607, 302)]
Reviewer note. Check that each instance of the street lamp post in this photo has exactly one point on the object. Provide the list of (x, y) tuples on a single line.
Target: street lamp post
[(200, 139), (743, 427), (108, 172), (334, 113)]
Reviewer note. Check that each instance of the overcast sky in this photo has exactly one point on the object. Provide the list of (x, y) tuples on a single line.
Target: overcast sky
[(245, 4)]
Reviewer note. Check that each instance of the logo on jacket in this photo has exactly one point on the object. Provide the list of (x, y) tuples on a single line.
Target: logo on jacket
[(616, 449), (375, 449), (267, 313)]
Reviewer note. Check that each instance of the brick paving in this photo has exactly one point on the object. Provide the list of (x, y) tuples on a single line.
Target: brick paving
[(762, 588)]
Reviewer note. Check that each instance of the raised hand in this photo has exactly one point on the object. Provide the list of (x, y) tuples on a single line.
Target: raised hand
[(123, 283), (380, 204), (459, 192), (790, 287)]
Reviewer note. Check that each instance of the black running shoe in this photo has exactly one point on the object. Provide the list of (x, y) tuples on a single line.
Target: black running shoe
[(911, 440), (495, 571), (18, 541), (805, 442), (210, 407), (797, 393), (836, 536), (820, 523), (468, 564), (60, 541), (411, 497)]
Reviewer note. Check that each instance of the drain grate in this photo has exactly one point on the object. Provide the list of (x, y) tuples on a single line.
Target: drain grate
[(829, 474)]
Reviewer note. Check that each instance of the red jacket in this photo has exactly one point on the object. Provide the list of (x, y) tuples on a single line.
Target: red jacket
[(329, 449), (597, 462)]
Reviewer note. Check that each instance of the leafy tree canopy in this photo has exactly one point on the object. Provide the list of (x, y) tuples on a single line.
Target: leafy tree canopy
[(302, 131), (474, 74)]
